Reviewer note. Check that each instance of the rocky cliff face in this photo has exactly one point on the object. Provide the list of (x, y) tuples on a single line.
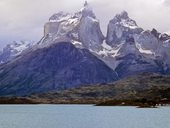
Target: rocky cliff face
[(137, 50), (80, 27), (121, 28)]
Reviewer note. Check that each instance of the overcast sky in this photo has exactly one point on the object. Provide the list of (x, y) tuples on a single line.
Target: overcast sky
[(24, 19)]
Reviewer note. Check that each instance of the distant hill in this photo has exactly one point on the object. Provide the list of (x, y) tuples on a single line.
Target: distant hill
[(144, 86)]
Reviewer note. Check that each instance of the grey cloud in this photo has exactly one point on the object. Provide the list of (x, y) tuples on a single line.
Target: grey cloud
[(24, 19), (166, 2)]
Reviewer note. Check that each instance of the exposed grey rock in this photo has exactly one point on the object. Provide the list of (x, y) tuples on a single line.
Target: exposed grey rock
[(60, 66), (120, 28), (148, 41), (137, 50), (81, 27)]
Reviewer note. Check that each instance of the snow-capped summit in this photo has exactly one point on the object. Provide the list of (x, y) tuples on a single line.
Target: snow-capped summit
[(81, 27), (87, 11), (14, 49), (89, 29), (122, 15), (125, 41), (136, 50), (164, 37), (124, 20), (120, 28), (59, 23)]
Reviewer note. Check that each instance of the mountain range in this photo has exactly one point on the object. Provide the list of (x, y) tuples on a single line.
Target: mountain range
[(74, 52)]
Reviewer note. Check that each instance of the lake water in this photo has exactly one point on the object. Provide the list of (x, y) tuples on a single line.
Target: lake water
[(82, 116)]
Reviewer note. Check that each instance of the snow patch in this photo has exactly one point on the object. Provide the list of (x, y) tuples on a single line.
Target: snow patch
[(59, 17), (108, 51), (73, 21), (76, 42), (106, 46), (168, 32), (166, 44), (141, 50), (128, 23)]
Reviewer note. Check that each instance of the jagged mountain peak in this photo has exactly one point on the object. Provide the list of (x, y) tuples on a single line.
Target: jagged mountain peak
[(19, 46), (120, 28), (160, 36), (14, 49), (168, 32), (86, 4), (64, 16), (81, 27), (123, 19), (155, 33), (87, 10), (122, 15)]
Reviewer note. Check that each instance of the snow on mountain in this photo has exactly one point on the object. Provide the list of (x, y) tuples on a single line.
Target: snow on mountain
[(120, 28), (14, 49), (119, 41), (147, 42), (59, 17), (168, 32), (61, 59), (74, 52), (58, 67), (144, 51), (134, 50), (81, 27), (124, 38)]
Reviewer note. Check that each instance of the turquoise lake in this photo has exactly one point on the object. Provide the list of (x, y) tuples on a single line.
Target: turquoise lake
[(82, 116)]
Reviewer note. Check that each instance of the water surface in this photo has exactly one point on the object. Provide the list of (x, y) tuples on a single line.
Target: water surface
[(82, 116)]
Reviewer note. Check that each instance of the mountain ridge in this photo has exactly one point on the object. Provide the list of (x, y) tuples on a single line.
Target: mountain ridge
[(45, 70), (126, 50)]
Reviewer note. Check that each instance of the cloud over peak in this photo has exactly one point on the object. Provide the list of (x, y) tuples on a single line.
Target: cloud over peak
[(24, 19)]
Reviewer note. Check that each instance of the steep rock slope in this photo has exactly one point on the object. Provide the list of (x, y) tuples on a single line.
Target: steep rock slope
[(128, 49), (121, 28), (81, 28), (60, 66), (137, 50)]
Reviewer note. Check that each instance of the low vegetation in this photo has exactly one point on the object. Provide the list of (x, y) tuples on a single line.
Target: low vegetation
[(146, 90), (16, 100), (141, 103)]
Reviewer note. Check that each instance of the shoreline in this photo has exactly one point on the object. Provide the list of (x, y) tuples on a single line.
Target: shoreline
[(139, 103)]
